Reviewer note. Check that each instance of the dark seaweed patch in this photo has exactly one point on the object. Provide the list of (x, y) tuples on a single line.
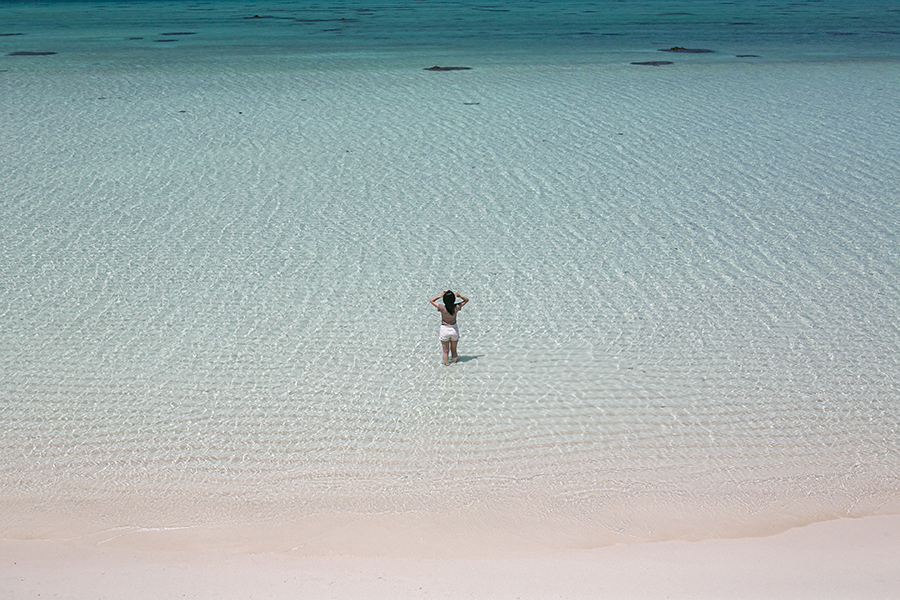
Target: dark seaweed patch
[(180, 33), (747, 55), (681, 50), (25, 53), (10, 34), (270, 17), (164, 41), (437, 68), (654, 63)]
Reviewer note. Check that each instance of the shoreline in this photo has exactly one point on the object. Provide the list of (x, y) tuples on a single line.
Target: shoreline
[(832, 559)]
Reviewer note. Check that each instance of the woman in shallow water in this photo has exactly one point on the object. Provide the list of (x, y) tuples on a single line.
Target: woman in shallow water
[(449, 329)]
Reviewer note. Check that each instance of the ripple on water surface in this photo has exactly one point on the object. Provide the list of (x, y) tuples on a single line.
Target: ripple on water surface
[(683, 317)]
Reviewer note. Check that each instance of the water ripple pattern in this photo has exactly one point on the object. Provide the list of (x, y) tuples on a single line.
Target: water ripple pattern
[(685, 298)]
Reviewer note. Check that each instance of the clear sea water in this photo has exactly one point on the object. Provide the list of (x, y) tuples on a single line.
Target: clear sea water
[(220, 224)]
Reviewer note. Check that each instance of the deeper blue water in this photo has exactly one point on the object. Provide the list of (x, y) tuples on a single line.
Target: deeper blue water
[(512, 30)]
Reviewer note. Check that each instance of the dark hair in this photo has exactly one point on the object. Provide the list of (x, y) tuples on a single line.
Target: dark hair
[(450, 301)]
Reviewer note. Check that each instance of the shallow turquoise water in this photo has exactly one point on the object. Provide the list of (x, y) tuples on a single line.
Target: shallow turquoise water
[(216, 256)]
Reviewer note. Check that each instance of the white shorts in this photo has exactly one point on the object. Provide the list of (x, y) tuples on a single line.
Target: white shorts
[(449, 333)]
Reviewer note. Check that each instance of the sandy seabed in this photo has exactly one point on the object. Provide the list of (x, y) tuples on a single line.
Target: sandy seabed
[(846, 558)]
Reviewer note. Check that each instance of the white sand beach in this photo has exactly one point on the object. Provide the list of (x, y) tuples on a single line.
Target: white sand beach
[(846, 558)]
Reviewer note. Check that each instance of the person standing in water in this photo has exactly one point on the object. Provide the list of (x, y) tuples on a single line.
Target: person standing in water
[(449, 329)]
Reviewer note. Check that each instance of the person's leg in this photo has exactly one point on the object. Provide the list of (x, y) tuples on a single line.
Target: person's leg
[(453, 344), (446, 348)]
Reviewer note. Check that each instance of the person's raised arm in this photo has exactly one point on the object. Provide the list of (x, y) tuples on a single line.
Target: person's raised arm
[(464, 299), (434, 301)]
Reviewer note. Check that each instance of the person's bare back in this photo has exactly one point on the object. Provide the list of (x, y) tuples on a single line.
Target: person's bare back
[(449, 331)]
